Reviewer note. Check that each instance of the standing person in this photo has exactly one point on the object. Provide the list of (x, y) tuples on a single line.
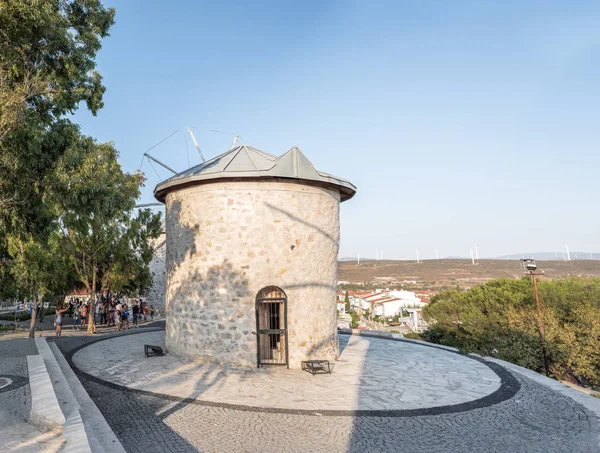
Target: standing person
[(77, 318), (119, 315), (145, 312), (84, 315), (151, 312), (125, 316), (136, 312), (96, 311), (111, 313), (58, 321), (103, 312)]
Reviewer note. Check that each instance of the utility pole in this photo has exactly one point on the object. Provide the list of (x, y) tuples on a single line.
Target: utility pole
[(531, 267)]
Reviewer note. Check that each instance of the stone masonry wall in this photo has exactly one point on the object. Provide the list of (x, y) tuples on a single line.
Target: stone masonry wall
[(228, 240), (155, 295)]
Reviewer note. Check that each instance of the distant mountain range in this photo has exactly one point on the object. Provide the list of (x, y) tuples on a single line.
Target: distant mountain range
[(541, 256)]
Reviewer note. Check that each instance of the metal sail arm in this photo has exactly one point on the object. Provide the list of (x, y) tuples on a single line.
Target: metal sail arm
[(147, 205), (160, 163), (196, 144)]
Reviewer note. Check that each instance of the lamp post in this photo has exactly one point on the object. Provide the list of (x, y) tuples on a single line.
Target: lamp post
[(529, 265)]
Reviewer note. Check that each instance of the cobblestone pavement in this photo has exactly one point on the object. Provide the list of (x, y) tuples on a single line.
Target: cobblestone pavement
[(535, 419)]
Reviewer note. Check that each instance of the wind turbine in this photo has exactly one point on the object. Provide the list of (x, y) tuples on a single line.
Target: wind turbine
[(418, 256), (437, 255), (472, 256), (476, 253), (568, 253)]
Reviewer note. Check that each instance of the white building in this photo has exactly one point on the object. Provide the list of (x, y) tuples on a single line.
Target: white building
[(388, 304)]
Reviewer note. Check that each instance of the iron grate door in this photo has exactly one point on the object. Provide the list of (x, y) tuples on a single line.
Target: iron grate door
[(271, 327)]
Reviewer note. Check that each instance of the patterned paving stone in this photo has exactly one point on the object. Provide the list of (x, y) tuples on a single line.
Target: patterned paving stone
[(371, 374), (534, 419), (15, 400)]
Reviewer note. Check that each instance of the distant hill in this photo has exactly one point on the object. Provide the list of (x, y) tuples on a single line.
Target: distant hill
[(542, 256), (437, 274), (552, 256)]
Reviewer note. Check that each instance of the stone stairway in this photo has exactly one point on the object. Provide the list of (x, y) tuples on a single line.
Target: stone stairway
[(85, 430)]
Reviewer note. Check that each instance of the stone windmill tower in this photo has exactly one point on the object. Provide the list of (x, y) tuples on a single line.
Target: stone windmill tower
[(252, 244)]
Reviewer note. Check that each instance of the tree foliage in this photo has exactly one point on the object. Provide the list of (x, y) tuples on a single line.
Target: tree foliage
[(47, 68), (94, 199), (67, 215), (47, 51), (499, 319)]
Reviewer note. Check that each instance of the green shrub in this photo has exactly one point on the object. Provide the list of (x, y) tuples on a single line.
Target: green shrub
[(500, 319), (355, 319), (413, 336), (10, 316)]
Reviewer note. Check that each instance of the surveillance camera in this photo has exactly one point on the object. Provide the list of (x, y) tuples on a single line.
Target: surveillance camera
[(531, 266)]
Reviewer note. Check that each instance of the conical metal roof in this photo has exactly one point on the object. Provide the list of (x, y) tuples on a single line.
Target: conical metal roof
[(246, 162)]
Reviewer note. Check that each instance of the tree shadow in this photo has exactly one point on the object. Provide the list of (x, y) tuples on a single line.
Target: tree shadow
[(295, 218), (181, 240)]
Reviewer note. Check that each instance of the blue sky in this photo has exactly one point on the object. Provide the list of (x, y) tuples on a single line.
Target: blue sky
[(461, 123)]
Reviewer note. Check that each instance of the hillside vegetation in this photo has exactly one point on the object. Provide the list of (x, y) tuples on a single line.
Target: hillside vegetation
[(499, 319)]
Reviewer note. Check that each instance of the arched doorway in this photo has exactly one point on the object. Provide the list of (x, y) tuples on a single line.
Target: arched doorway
[(271, 327)]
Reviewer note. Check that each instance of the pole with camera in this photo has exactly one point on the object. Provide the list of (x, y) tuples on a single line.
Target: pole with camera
[(529, 265)]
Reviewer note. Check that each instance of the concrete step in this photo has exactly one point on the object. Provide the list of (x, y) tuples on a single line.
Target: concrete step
[(101, 437)]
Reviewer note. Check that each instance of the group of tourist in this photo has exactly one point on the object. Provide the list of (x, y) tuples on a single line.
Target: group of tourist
[(107, 311)]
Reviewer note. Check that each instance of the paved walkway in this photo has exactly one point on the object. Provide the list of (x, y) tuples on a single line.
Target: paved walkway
[(16, 434), (525, 417), (371, 374)]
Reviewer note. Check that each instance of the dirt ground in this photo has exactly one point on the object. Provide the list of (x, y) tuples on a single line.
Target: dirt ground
[(440, 274)]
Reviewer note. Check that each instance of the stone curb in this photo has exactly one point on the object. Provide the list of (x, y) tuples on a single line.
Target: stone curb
[(102, 432), (589, 402), (75, 435), (393, 336), (370, 333), (45, 410)]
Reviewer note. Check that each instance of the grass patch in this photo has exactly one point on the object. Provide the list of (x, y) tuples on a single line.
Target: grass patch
[(413, 336)]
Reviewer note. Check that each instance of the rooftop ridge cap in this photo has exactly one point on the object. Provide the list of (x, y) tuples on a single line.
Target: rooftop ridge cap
[(260, 151), (239, 149), (250, 157), (206, 162), (295, 159)]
